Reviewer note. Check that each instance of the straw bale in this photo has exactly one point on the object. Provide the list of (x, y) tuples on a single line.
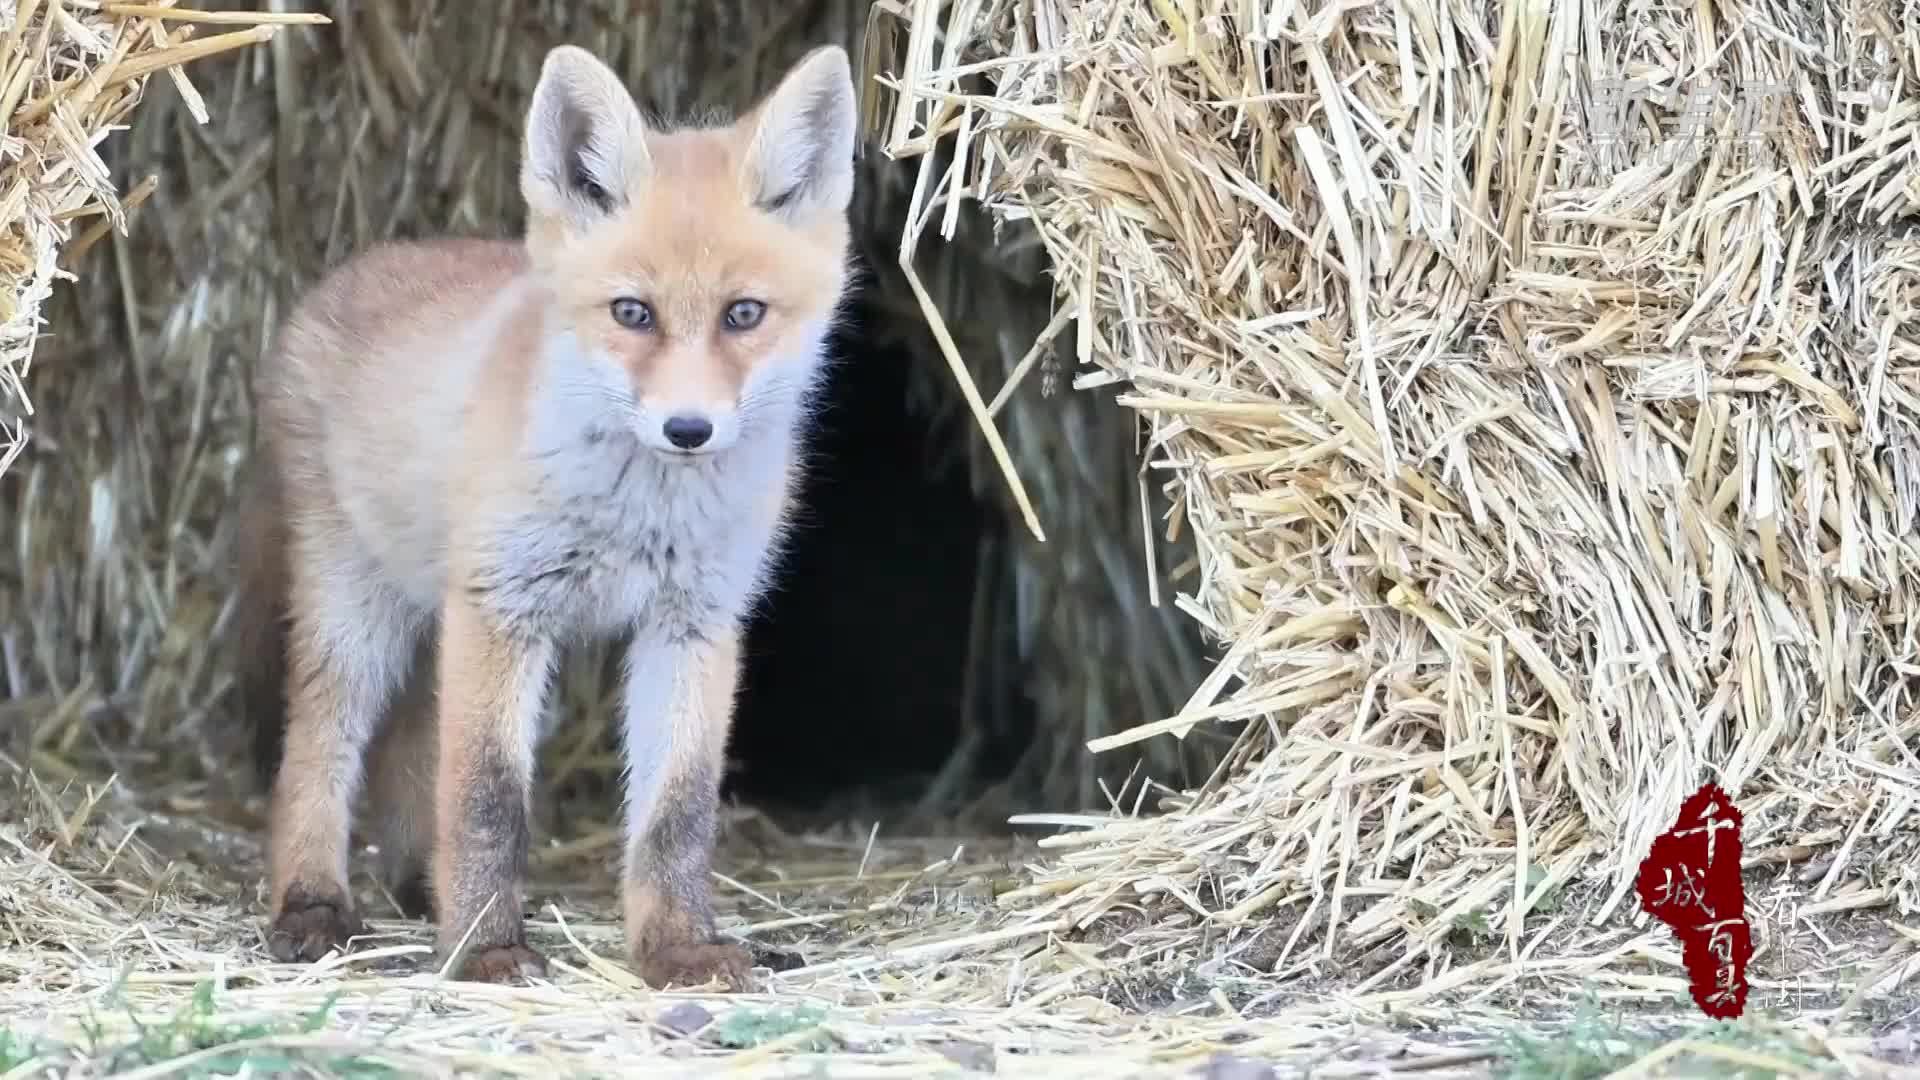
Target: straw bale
[(72, 73), (402, 119), (1536, 476)]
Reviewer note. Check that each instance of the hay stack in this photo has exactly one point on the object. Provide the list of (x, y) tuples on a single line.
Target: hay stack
[(1533, 486), (71, 73)]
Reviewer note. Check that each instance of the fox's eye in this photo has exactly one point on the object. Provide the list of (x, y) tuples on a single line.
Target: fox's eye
[(632, 314), (745, 314)]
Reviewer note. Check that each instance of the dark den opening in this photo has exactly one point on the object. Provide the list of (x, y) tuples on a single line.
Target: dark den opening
[(855, 666)]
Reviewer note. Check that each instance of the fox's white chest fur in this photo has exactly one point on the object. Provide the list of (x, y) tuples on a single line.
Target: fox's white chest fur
[(618, 534)]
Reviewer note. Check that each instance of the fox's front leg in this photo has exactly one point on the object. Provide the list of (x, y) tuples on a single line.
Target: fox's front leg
[(493, 685), (679, 705)]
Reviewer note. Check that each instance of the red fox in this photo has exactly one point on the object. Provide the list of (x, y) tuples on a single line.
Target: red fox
[(473, 453)]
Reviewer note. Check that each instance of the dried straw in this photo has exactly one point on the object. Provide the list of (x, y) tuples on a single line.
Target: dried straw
[(1531, 488), (71, 73), (129, 946)]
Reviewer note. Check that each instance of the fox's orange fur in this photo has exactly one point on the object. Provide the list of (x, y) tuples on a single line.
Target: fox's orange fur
[(474, 453)]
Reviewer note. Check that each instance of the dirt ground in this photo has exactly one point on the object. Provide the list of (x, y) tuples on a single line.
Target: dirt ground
[(133, 946)]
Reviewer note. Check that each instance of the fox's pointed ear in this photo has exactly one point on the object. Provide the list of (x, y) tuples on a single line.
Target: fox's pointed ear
[(800, 158), (586, 142)]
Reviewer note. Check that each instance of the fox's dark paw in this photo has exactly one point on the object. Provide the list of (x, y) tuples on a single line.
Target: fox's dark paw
[(504, 964), (776, 958), (307, 928), (688, 966)]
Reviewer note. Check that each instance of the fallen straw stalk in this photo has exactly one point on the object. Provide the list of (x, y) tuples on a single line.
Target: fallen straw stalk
[(1578, 469)]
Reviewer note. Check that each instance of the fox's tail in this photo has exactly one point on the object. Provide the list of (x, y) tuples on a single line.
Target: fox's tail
[(258, 631)]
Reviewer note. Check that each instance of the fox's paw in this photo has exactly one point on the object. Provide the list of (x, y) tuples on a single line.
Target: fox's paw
[(308, 927), (504, 964), (696, 965)]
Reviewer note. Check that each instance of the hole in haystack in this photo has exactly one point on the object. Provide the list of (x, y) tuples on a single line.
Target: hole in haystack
[(856, 674)]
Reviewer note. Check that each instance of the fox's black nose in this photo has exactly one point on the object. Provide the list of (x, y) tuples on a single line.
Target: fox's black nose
[(687, 432)]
